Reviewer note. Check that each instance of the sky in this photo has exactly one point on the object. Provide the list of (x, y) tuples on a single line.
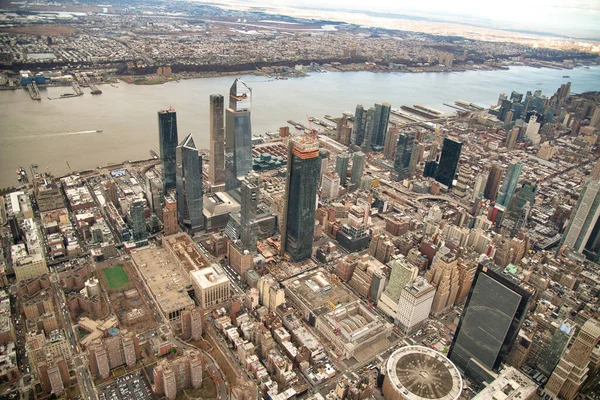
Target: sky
[(577, 18)]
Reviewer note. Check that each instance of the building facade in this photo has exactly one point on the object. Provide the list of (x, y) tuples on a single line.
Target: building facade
[(167, 141), (216, 166), (190, 203), (298, 226)]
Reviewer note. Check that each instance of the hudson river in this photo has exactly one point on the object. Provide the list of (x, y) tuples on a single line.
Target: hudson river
[(52, 133)]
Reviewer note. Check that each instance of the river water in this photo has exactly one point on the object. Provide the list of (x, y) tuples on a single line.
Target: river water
[(60, 134)]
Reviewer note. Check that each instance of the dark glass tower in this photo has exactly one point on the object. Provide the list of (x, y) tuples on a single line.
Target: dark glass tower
[(216, 167), (138, 220), (404, 149), (446, 169), (358, 130), (167, 141), (298, 228), (490, 322), (189, 185), (381, 120), (238, 135)]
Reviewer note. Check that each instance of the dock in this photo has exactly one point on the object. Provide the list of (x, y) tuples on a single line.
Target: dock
[(77, 89), (405, 116), (421, 112), (34, 92), (297, 125), (94, 88)]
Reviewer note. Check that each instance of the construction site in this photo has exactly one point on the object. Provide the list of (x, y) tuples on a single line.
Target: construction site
[(127, 300)]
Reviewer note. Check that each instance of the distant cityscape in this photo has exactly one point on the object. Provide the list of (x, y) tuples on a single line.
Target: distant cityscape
[(396, 252)]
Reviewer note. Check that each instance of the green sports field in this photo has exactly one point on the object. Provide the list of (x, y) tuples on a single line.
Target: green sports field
[(116, 277)]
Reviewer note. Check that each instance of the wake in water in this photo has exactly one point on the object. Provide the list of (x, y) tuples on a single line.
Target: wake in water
[(53, 135)]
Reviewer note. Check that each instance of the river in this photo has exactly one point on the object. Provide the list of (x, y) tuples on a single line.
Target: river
[(60, 134)]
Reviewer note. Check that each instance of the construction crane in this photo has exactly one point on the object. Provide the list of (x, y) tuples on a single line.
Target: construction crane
[(312, 130)]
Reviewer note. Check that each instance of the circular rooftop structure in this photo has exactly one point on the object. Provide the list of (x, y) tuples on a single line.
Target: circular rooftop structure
[(421, 373)]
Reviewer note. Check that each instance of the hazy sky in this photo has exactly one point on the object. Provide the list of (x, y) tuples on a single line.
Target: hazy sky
[(579, 18)]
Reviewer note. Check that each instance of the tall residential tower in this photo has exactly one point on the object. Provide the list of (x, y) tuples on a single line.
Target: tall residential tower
[(167, 141), (216, 166)]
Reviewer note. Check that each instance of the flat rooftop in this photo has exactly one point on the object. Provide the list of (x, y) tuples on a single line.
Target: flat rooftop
[(187, 252), (210, 276), (164, 278), (510, 384), (318, 291)]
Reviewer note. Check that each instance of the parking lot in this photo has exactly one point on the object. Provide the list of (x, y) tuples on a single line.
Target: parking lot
[(127, 387)]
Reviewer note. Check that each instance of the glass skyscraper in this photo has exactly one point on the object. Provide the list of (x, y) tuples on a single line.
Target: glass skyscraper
[(138, 220), (446, 169), (300, 198), (238, 135), (190, 203), (490, 322), (381, 120), (167, 142), (509, 185), (404, 149), (358, 130)]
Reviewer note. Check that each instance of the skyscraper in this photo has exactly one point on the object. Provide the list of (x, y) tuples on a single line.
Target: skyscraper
[(493, 182), (511, 138), (358, 130), (380, 124), (404, 150), (216, 167), (444, 276), (572, 369), (358, 166), (189, 185), (490, 322), (297, 230), (509, 185), (250, 189), (583, 230), (138, 220), (369, 130), (446, 169), (391, 142), (167, 141), (238, 135), (341, 167)]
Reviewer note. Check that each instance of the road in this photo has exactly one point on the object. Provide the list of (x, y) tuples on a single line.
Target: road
[(84, 378)]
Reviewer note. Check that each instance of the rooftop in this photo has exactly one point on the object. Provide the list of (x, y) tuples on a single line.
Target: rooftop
[(510, 384), (422, 373), (164, 277), (210, 276)]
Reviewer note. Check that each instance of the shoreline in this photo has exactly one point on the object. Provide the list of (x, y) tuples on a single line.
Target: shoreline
[(159, 79)]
